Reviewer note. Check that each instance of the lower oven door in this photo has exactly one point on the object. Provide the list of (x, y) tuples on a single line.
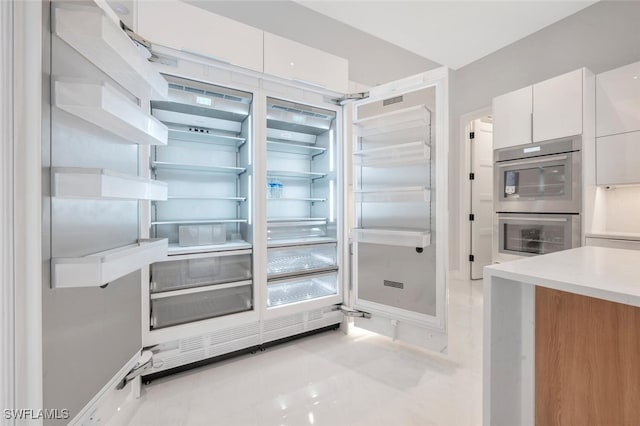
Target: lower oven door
[(533, 234)]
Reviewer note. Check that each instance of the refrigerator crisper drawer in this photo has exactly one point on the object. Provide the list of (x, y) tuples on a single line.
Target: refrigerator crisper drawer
[(301, 289), (300, 259), (199, 271), (191, 307)]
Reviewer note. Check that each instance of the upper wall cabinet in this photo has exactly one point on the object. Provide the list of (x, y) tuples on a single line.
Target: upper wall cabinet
[(512, 118), (618, 100), (191, 29), (295, 61), (557, 107), (547, 110)]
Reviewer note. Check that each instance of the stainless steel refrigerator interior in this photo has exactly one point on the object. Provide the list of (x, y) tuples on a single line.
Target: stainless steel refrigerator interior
[(302, 209), (207, 217)]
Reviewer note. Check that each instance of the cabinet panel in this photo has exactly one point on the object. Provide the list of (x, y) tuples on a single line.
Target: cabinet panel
[(618, 159), (613, 243), (512, 118), (188, 28), (295, 61), (618, 100), (557, 107)]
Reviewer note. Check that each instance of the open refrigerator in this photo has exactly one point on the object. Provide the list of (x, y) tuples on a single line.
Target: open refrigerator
[(264, 209)]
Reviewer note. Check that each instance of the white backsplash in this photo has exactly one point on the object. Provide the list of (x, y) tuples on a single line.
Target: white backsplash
[(617, 210)]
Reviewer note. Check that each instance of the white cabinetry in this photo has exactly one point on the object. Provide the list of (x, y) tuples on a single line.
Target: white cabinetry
[(618, 159), (557, 107), (618, 100), (512, 118), (295, 61), (191, 29), (547, 110)]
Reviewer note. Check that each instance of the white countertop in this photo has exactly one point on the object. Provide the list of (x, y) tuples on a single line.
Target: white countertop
[(605, 273)]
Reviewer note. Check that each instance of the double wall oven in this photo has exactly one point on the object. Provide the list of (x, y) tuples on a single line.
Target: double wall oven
[(538, 198)]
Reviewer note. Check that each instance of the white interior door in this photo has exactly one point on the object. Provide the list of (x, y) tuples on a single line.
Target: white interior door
[(399, 193), (481, 195)]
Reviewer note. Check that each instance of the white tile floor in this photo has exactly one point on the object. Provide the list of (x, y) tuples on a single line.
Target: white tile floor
[(332, 379)]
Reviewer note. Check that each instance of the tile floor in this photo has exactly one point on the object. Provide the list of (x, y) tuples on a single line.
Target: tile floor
[(332, 379)]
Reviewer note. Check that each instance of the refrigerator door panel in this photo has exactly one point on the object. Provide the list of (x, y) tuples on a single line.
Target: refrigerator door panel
[(399, 187)]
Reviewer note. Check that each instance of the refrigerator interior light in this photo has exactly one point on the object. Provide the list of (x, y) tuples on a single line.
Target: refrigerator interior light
[(331, 216), (249, 198), (249, 139), (331, 165)]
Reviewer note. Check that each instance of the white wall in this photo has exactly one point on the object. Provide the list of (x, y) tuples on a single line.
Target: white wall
[(601, 37)]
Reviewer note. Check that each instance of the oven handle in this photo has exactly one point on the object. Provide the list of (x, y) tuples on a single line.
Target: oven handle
[(530, 219), (540, 160)]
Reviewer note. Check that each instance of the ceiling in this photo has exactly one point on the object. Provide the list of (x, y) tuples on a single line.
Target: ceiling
[(452, 33)]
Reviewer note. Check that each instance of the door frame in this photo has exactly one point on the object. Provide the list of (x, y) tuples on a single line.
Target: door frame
[(464, 194)]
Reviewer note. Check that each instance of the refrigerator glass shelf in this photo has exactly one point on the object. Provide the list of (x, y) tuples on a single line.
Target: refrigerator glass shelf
[(101, 104), (97, 269), (295, 175), (103, 43), (311, 200), (197, 288), (394, 155), (205, 198), (287, 221), (289, 242), (94, 183), (409, 194), (393, 236), (197, 221), (300, 259), (186, 135), (176, 250), (293, 148), (197, 168), (418, 114), (278, 135), (301, 289)]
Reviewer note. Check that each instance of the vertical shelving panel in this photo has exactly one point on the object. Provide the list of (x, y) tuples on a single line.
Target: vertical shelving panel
[(302, 188)]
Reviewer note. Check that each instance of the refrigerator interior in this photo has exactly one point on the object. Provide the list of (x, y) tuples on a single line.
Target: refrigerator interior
[(207, 217), (302, 191)]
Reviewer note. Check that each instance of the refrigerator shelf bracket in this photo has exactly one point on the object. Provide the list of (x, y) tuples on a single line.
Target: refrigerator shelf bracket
[(353, 313)]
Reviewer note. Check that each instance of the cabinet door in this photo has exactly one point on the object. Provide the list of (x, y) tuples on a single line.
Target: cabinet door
[(618, 100), (190, 29), (512, 118), (289, 59), (618, 159), (557, 107)]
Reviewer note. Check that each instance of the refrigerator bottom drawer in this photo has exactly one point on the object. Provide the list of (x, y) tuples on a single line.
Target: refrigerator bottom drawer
[(186, 308), (301, 289)]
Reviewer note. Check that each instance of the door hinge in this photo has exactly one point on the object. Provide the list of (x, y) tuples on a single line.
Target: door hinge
[(471, 258), (349, 312), (472, 176), (472, 135), (351, 97), (472, 217), (137, 38)]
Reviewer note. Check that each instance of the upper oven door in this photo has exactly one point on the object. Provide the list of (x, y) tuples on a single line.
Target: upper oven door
[(546, 184)]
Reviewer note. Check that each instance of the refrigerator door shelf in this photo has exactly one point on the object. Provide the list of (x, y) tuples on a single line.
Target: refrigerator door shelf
[(404, 154), (301, 289), (203, 136), (398, 120), (101, 104), (409, 194), (393, 237), (93, 183), (101, 268), (103, 43)]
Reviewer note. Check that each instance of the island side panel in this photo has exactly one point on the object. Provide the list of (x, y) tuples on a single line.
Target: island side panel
[(587, 360), (508, 364)]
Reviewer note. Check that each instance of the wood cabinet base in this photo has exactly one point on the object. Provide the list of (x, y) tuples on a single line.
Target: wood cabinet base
[(587, 360)]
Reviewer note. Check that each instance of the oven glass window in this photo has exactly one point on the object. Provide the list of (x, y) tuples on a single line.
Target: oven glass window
[(546, 181), (534, 238)]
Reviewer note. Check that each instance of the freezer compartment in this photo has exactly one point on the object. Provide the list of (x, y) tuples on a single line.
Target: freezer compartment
[(197, 271), (196, 306), (296, 228), (399, 277), (283, 261), (301, 289)]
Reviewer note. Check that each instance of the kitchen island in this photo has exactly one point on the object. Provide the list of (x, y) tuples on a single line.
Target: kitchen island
[(562, 339)]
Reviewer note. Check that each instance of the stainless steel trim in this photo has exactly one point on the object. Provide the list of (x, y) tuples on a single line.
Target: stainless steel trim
[(200, 289), (543, 159), (301, 273), (536, 219)]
